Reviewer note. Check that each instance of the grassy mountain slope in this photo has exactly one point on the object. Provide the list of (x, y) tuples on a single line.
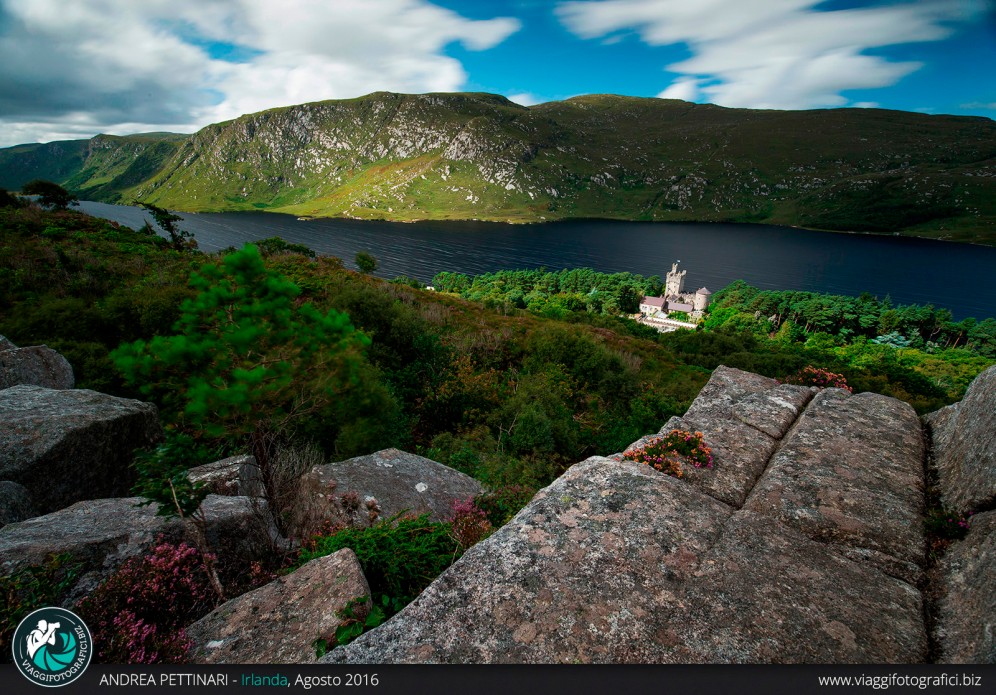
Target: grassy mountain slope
[(97, 169), (480, 156)]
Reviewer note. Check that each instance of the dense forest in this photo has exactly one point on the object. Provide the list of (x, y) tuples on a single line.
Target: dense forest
[(916, 353)]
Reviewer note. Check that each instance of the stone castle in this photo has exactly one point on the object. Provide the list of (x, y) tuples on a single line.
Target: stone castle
[(676, 298)]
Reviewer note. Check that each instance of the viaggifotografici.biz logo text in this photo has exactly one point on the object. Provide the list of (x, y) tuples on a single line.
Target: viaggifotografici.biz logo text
[(52, 647)]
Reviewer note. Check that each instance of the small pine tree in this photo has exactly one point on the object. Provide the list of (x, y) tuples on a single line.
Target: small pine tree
[(366, 262), (179, 239), (246, 359), (50, 194)]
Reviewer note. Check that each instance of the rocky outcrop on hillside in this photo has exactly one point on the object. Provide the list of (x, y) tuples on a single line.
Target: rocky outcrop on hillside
[(102, 534), (70, 445), (402, 482), (966, 626), (37, 365), (804, 544), (964, 447), (280, 622)]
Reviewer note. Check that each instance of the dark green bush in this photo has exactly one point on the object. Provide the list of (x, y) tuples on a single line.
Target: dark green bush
[(400, 556)]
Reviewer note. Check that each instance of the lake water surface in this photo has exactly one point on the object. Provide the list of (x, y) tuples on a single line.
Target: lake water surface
[(959, 277)]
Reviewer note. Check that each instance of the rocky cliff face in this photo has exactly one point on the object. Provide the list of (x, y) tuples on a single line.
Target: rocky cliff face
[(805, 543)]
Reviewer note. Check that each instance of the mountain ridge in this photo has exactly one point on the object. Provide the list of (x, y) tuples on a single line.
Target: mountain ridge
[(480, 156)]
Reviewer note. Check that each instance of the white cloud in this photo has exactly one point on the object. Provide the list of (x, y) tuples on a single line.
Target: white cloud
[(979, 105), (71, 69), (523, 99), (684, 88), (773, 53), (866, 105)]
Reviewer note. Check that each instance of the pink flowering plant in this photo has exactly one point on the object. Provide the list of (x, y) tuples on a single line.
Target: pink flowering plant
[(137, 614), (816, 376), (947, 525), (668, 453), (470, 523)]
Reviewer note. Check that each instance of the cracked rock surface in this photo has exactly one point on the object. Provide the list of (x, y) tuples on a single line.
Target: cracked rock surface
[(804, 544)]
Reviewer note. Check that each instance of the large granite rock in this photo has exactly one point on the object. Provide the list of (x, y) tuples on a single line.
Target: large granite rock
[(37, 365), (235, 476), (279, 623), (966, 625), (101, 534), (66, 446), (744, 416), (577, 575), (851, 474), (401, 481), (615, 563), (765, 593), (15, 503), (964, 447)]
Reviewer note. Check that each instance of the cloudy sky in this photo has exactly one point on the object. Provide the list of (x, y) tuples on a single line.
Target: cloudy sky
[(75, 68)]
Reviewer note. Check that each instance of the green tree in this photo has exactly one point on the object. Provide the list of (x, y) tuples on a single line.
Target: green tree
[(366, 262), (50, 194), (7, 200), (179, 239), (247, 359)]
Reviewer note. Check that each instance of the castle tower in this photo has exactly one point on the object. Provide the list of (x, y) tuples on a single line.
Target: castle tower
[(675, 281), (702, 297)]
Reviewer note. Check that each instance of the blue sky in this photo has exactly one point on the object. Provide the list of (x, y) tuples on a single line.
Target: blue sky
[(71, 70)]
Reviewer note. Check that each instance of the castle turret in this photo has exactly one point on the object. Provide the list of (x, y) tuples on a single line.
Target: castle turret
[(702, 297), (675, 281)]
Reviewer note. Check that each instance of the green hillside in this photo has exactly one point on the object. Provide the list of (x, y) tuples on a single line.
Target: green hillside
[(480, 156), (97, 169)]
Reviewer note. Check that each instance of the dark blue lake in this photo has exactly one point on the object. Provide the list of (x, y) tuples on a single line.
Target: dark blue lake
[(959, 277)]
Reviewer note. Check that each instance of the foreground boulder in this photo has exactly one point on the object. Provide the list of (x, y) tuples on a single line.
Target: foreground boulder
[(966, 625), (851, 475), (400, 481), (15, 503), (803, 544), (964, 447), (66, 446), (615, 563), (101, 534), (280, 622), (235, 476), (745, 416), (37, 365)]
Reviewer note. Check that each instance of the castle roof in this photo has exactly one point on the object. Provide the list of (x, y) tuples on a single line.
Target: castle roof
[(703, 290), (653, 301)]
